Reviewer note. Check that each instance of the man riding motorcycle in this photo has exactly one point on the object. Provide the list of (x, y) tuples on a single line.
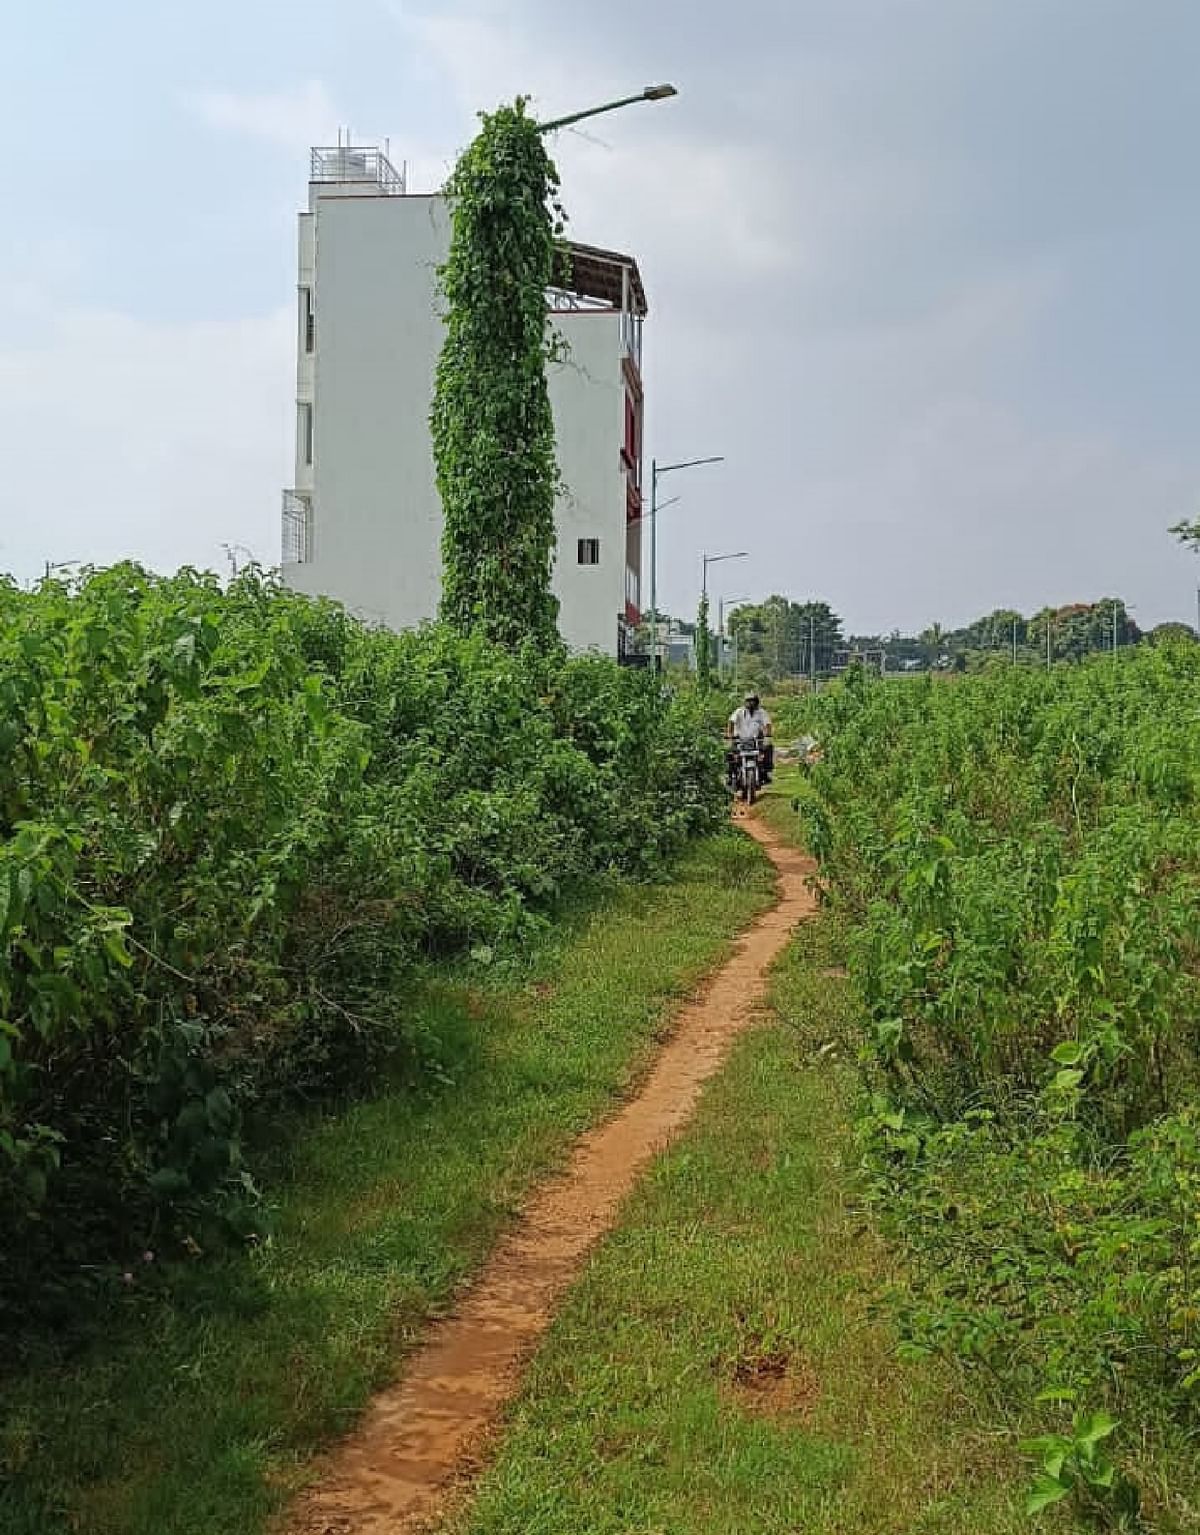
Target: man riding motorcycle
[(750, 723)]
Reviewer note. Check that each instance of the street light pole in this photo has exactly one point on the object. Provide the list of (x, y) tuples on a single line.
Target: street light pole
[(715, 559), (702, 617), (651, 93), (724, 605), (653, 566), (656, 470)]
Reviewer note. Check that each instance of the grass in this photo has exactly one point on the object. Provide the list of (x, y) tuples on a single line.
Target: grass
[(724, 1367), (198, 1412)]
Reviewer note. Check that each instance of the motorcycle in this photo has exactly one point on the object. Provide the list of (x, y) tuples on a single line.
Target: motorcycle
[(747, 770)]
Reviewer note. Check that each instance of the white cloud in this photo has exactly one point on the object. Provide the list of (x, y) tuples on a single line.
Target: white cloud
[(291, 119), (124, 439)]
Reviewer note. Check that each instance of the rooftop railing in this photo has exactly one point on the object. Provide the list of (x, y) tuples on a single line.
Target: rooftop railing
[(356, 163)]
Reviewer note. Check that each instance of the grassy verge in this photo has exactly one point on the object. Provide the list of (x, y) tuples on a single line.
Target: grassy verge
[(196, 1414), (723, 1366)]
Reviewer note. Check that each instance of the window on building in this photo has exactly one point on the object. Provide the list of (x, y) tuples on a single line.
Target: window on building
[(310, 323), (589, 551), (306, 431)]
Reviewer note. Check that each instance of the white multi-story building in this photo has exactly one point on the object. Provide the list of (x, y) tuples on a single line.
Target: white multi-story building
[(363, 519)]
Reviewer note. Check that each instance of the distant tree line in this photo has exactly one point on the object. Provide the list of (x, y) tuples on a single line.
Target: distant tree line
[(1076, 630), (780, 639)]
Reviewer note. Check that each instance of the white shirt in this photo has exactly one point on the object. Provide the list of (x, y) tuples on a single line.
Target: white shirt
[(747, 724)]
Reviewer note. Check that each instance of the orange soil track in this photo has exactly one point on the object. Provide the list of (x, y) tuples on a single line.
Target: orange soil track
[(421, 1436)]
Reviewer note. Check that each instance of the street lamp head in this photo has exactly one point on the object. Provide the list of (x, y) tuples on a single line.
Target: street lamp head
[(651, 93)]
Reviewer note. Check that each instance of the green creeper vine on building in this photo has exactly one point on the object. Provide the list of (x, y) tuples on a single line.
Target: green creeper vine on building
[(493, 432)]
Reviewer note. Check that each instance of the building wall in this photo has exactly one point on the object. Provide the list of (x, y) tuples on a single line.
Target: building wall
[(375, 538), (376, 522), (587, 394)]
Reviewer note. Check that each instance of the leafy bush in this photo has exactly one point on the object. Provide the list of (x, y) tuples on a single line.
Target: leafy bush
[(231, 823), (1021, 852)]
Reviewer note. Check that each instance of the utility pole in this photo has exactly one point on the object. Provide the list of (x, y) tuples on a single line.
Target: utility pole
[(725, 605), (1114, 629), (1014, 642), (1047, 642), (656, 470), (653, 566), (812, 654), (715, 559)]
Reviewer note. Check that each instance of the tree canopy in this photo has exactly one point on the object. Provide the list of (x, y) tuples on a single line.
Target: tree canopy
[(782, 638)]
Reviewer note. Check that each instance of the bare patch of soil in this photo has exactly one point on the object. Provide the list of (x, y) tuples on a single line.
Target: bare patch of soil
[(775, 1385)]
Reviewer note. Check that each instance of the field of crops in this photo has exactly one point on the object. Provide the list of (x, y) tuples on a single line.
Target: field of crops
[(233, 824), (1019, 857)]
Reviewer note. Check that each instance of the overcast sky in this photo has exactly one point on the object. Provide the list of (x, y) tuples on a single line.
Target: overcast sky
[(927, 272)]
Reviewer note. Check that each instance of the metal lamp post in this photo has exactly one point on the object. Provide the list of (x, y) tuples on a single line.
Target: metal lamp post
[(657, 470), (725, 605), (651, 93), (715, 559)]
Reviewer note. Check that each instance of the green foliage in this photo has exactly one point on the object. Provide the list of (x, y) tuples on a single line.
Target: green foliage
[(1171, 633), (780, 638), (1082, 629), (703, 647), (231, 823), (1077, 1463), (1077, 630), (493, 432), (1020, 852), (1188, 534), (718, 1370), (196, 1409)]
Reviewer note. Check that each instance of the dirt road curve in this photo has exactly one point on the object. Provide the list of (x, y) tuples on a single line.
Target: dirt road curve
[(422, 1436)]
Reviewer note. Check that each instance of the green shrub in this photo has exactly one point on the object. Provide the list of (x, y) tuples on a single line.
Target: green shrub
[(231, 823), (1021, 854)]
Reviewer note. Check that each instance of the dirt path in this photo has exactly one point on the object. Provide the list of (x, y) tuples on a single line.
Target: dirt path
[(424, 1434)]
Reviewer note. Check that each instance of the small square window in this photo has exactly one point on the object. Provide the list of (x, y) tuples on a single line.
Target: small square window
[(589, 551)]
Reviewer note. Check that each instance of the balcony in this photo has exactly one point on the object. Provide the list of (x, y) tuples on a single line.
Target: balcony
[(296, 529), (358, 164)]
